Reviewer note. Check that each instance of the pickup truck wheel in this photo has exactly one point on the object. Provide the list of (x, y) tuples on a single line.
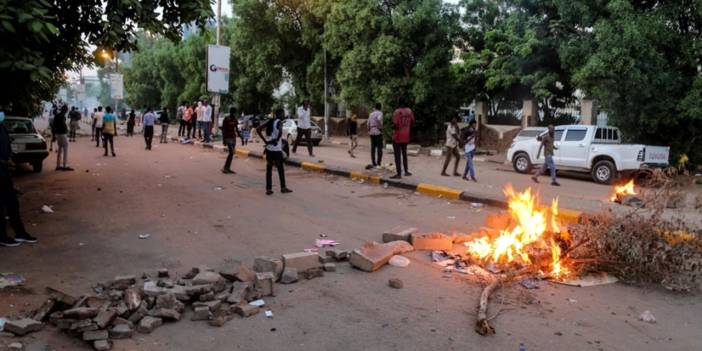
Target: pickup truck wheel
[(604, 172), (521, 163)]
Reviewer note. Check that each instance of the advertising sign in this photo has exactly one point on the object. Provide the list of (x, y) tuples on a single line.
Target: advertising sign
[(218, 69), (116, 86)]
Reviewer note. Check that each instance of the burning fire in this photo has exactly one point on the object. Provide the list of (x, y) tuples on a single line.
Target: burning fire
[(623, 190), (529, 230)]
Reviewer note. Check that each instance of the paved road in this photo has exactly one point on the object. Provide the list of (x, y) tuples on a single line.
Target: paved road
[(196, 215)]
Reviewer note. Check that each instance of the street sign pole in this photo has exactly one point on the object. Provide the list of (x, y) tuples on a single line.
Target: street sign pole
[(216, 96)]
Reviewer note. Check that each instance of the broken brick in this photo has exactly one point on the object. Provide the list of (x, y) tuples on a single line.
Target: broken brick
[(329, 267), (312, 273), (246, 310), (121, 331), (372, 255), (263, 264), (302, 261), (238, 293), (81, 313), (122, 282), (102, 345), (289, 276), (23, 326), (105, 318), (148, 324), (265, 283), (398, 233), (165, 313), (93, 335), (132, 298), (432, 242), (201, 313)]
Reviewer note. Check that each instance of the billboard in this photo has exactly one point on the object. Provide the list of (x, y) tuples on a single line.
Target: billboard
[(116, 86), (218, 69)]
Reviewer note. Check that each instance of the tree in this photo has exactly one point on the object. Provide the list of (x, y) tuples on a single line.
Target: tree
[(43, 40), (393, 52)]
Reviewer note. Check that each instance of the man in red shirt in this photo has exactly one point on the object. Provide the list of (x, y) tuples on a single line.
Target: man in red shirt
[(402, 120)]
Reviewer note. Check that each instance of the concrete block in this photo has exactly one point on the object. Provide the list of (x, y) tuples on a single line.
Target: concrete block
[(121, 331), (23, 326), (302, 261), (398, 233), (289, 276), (148, 324), (81, 313), (235, 270), (264, 264), (95, 335), (201, 313), (246, 310), (102, 345), (265, 283), (432, 242), (105, 318), (372, 255)]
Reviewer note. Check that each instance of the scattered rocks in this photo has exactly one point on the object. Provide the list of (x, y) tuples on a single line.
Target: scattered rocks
[(208, 277), (121, 331), (371, 256), (338, 254), (263, 264), (93, 335), (201, 313), (122, 282), (105, 318), (264, 283), (22, 326), (312, 273), (132, 298), (246, 310), (238, 293), (647, 317), (236, 271), (329, 267), (102, 345), (396, 283)]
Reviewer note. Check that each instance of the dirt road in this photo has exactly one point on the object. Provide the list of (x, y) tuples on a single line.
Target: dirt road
[(195, 215)]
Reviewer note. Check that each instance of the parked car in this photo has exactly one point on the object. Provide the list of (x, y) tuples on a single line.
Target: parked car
[(290, 132), (592, 149), (28, 146)]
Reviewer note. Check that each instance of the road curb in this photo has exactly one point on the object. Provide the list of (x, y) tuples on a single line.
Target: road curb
[(567, 215)]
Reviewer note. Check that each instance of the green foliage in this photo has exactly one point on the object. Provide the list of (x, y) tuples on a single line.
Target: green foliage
[(43, 40)]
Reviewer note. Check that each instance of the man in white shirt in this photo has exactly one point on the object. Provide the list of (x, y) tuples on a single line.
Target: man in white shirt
[(98, 125), (375, 130), (274, 151), (452, 147), (149, 121), (206, 120), (303, 127)]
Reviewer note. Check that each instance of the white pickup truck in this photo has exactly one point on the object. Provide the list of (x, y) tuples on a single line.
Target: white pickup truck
[(592, 149)]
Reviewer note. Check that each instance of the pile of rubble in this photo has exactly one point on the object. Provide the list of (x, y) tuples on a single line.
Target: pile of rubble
[(127, 304)]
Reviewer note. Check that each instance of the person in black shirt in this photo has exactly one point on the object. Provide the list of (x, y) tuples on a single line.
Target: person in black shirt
[(59, 129), (9, 203), (353, 134), (130, 123), (164, 126)]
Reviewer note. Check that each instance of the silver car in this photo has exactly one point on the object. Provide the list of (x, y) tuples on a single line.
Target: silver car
[(290, 132), (28, 146)]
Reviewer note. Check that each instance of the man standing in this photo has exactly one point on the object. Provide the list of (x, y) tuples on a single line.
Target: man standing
[(402, 120), (375, 130), (452, 147), (230, 131), (303, 127), (163, 118), (9, 203), (74, 117), (468, 136), (547, 143), (92, 122), (207, 121), (59, 129), (98, 125), (180, 121), (274, 151), (149, 120), (188, 117)]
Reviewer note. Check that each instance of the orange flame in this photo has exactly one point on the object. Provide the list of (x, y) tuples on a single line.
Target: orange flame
[(530, 226), (623, 190)]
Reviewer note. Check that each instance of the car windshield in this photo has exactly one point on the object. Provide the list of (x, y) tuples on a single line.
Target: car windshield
[(19, 126)]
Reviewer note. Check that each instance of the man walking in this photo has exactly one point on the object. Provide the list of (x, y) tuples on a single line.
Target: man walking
[(303, 127), (9, 203), (547, 143), (149, 121), (375, 130), (452, 147), (98, 125), (274, 151), (207, 121), (402, 120), (230, 131), (163, 119)]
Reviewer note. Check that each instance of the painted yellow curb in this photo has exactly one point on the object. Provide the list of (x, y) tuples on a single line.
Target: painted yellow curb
[(569, 216), (358, 175), (242, 152), (434, 190), (374, 179), (313, 166)]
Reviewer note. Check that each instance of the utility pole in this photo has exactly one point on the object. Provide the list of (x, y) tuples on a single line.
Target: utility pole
[(216, 96), (326, 97)]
